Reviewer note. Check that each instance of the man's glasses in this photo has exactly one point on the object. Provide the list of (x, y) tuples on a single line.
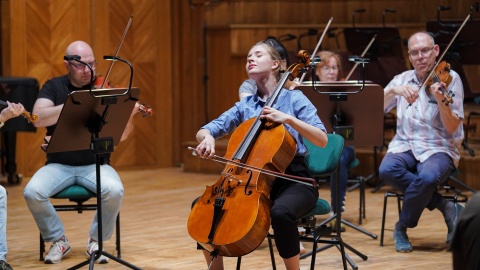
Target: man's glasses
[(416, 53), (80, 66)]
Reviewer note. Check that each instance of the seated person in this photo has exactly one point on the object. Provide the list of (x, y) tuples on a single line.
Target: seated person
[(329, 69), (424, 151), (65, 169), (12, 110), (290, 199)]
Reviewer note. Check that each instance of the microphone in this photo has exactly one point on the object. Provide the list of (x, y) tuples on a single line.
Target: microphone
[(441, 8), (287, 37), (360, 10), (390, 10)]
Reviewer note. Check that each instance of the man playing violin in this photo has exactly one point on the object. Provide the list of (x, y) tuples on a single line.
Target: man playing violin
[(12, 110), (68, 168), (297, 113), (424, 151)]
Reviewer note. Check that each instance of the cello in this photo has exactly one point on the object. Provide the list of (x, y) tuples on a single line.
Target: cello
[(232, 217)]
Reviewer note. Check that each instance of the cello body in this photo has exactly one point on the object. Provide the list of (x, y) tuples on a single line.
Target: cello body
[(233, 215)]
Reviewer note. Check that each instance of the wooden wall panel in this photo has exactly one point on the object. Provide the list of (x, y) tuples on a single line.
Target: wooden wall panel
[(247, 22), (38, 34)]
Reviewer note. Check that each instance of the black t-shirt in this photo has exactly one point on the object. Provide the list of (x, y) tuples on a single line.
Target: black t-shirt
[(57, 90)]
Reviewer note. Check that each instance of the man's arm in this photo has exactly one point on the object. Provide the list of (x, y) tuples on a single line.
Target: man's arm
[(47, 112)]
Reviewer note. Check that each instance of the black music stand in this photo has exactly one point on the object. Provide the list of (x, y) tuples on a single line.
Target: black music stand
[(95, 120), (464, 49), (354, 111), (385, 54)]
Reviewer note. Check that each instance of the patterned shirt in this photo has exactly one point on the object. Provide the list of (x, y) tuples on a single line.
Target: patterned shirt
[(292, 102), (419, 126)]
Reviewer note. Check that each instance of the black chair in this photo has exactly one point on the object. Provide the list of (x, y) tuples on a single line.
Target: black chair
[(79, 195), (456, 197)]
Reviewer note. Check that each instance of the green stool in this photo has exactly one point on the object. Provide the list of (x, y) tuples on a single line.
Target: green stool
[(79, 195)]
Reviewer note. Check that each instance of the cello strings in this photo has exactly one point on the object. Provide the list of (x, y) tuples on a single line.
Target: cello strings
[(267, 172)]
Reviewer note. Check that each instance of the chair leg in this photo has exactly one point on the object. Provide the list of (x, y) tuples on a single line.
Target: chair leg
[(42, 248), (239, 262), (362, 200), (272, 256), (382, 231), (117, 240)]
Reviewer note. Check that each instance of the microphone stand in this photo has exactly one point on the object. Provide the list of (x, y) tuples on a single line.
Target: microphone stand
[(100, 147)]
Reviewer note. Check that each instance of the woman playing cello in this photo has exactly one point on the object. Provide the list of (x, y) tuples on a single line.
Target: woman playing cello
[(292, 109)]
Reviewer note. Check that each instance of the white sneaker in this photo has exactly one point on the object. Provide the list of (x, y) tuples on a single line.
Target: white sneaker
[(58, 250), (92, 246)]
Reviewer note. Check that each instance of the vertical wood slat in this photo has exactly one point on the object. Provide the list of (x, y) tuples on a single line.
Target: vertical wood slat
[(101, 24)]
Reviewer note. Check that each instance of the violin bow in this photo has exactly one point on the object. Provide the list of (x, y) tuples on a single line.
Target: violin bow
[(444, 52), (363, 54), (316, 48), (118, 49), (302, 180)]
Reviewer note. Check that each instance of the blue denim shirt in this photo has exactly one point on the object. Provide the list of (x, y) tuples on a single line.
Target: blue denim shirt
[(292, 102)]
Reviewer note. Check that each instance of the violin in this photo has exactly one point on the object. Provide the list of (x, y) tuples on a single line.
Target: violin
[(442, 75), (27, 115), (440, 72), (232, 217)]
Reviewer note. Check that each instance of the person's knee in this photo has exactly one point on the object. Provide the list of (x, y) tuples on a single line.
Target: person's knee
[(280, 215), (29, 194)]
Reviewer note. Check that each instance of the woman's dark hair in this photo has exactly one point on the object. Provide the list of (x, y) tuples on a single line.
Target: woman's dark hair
[(279, 48)]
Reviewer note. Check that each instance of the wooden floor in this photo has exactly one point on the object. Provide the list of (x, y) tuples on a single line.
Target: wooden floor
[(154, 235)]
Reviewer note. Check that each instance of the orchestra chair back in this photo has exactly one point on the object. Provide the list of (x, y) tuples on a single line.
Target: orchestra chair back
[(79, 195)]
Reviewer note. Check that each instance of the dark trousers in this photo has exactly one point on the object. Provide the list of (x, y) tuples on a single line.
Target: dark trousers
[(417, 181)]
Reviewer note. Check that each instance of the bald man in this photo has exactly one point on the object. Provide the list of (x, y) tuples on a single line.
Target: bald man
[(70, 168)]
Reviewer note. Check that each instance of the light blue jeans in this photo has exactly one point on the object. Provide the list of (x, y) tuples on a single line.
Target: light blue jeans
[(3, 224), (54, 177)]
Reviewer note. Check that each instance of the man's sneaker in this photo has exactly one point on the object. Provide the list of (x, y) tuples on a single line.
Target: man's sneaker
[(451, 223), (57, 251), (92, 246), (402, 244), (5, 266)]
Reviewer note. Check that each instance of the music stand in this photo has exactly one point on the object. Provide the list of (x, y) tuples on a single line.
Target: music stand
[(354, 111), (464, 49), (95, 120), (386, 53)]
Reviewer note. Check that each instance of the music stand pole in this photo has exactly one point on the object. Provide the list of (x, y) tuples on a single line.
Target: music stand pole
[(358, 104), (100, 147)]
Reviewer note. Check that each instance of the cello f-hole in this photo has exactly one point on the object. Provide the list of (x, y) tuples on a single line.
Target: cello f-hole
[(248, 192)]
